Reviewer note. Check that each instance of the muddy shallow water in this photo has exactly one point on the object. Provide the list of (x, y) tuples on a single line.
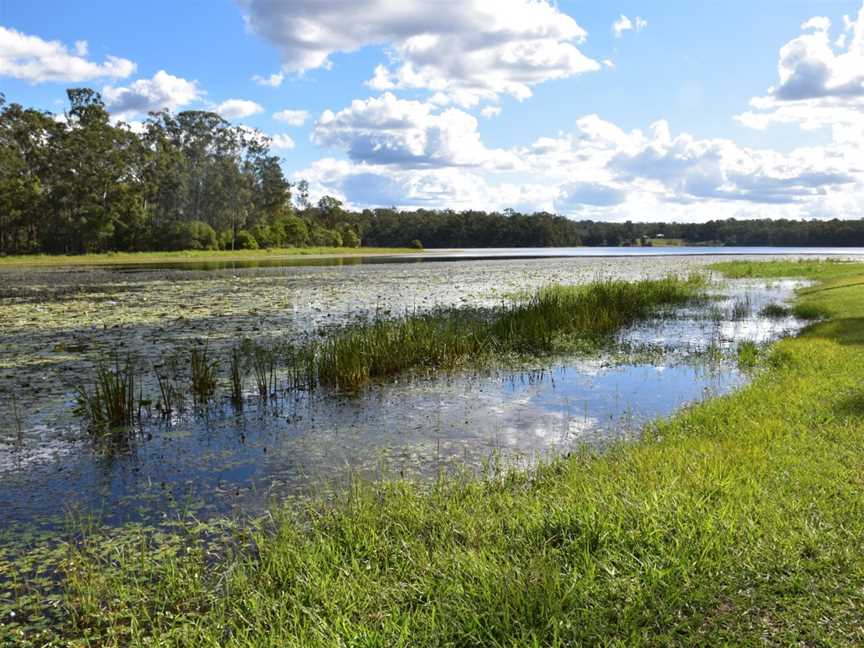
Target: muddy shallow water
[(55, 323)]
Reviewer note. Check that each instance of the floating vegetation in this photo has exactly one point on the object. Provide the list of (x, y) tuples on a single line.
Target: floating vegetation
[(203, 375), (554, 318), (110, 404)]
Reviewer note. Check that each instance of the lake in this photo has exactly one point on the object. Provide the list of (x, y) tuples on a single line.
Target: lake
[(56, 322)]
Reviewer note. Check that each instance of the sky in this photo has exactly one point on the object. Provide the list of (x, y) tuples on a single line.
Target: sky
[(671, 110)]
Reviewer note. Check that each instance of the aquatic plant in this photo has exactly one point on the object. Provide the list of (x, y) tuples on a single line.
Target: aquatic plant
[(554, 318), (170, 392), (775, 311), (807, 311), (263, 360), (110, 404), (203, 375), (747, 354), (236, 371), (741, 309)]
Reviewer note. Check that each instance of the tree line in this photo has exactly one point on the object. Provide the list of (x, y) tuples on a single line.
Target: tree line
[(78, 182)]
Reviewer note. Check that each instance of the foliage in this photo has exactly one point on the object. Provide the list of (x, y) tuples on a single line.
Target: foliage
[(83, 184)]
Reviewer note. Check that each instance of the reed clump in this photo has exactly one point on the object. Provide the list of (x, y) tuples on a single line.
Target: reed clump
[(203, 375), (552, 319), (110, 404)]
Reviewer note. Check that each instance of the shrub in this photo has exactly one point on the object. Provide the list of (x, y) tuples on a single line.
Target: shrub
[(193, 235), (245, 241), (417, 244)]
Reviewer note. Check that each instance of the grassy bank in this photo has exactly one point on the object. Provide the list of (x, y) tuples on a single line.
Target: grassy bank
[(737, 522), (191, 256)]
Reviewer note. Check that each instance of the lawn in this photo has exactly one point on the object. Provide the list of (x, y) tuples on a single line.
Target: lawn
[(192, 256)]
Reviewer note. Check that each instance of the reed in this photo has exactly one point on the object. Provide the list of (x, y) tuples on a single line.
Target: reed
[(554, 318), (110, 404), (170, 392), (236, 373), (264, 369), (203, 375)]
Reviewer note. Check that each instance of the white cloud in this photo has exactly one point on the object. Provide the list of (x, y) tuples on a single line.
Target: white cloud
[(274, 80), (491, 111), (292, 117), (163, 91), (468, 50), (624, 24), (810, 70), (282, 141), (238, 108), (390, 131), (410, 153), (819, 87), (36, 60)]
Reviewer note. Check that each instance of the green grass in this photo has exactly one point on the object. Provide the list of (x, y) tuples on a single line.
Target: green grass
[(737, 522), (555, 318), (191, 256)]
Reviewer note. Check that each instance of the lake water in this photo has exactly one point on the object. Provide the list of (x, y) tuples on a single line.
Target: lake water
[(55, 323)]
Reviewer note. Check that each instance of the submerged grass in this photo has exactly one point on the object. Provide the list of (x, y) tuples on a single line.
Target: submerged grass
[(737, 522)]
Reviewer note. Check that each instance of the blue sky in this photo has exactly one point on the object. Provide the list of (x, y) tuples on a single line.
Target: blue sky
[(692, 110)]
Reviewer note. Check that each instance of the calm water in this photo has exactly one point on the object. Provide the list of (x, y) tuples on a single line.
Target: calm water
[(475, 254), (220, 461)]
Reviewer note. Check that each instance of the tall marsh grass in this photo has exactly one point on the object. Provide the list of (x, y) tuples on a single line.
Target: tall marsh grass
[(553, 318), (110, 404)]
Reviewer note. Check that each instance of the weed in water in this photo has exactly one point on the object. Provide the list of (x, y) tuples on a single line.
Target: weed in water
[(204, 371), (236, 371), (775, 311), (170, 391), (748, 354), (110, 404), (264, 369)]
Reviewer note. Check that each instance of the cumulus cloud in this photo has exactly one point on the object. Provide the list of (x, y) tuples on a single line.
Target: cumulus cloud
[(163, 91), (292, 117), (624, 24), (36, 60), (274, 80), (468, 50), (820, 83), (491, 111), (282, 141), (391, 131), (238, 108), (399, 156)]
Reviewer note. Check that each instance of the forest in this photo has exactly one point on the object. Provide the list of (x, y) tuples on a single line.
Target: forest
[(77, 182)]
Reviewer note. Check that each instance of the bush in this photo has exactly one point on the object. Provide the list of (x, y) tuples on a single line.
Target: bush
[(245, 241), (194, 235), (350, 239), (265, 236), (295, 231), (417, 244)]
